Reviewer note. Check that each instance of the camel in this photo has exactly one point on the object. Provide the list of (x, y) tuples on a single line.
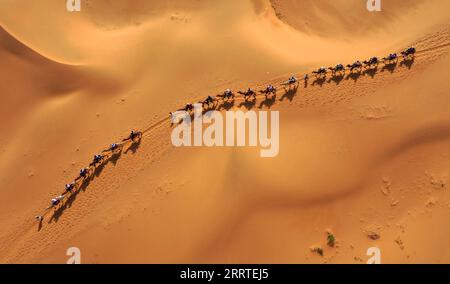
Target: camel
[(84, 173), (409, 53), (134, 136), (356, 66), (248, 94), (227, 95), (71, 186), (113, 148), (337, 69), (208, 103), (98, 159), (372, 62), (321, 72), (291, 81), (391, 58), (270, 90)]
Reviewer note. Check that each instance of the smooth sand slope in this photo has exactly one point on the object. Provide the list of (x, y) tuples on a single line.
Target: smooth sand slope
[(358, 156)]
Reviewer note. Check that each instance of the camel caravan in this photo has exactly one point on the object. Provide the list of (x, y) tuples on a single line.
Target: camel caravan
[(86, 173), (250, 96), (227, 97)]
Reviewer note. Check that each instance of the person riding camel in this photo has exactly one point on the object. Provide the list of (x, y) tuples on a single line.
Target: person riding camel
[(227, 95), (55, 201), (339, 68), (250, 93), (188, 108), (247, 94), (355, 66), (292, 80), (371, 62), (321, 72), (84, 173), (391, 58), (208, 101), (112, 148), (269, 90), (410, 52), (98, 159), (70, 187), (133, 136)]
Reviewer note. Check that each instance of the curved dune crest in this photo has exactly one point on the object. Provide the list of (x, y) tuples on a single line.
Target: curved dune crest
[(10, 44), (45, 77)]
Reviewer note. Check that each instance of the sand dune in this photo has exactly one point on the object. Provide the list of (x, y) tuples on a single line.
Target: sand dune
[(359, 154), (47, 78), (349, 19)]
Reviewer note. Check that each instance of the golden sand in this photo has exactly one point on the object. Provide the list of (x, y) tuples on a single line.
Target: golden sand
[(362, 157)]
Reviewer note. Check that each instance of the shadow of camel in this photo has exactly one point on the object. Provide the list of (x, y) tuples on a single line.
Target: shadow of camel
[(407, 62), (268, 102), (337, 79), (98, 170), (58, 212), (84, 185), (319, 81), (248, 104), (289, 93), (134, 146), (353, 75), (114, 158), (111, 159), (226, 105), (370, 72), (389, 67)]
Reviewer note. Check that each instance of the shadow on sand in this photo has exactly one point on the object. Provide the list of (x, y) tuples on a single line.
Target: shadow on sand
[(134, 146), (407, 62), (226, 105), (248, 104), (113, 159), (40, 225), (354, 76), (371, 72), (268, 102), (337, 79), (289, 93), (390, 67), (319, 81)]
